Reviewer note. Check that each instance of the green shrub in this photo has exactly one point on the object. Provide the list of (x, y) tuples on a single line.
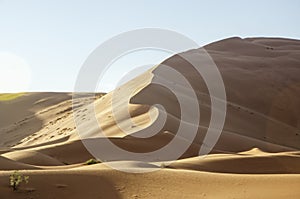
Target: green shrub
[(92, 161), (16, 179)]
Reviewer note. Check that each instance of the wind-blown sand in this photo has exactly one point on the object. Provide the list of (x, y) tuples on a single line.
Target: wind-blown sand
[(256, 156)]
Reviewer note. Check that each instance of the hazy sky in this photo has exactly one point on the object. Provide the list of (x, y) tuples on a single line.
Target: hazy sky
[(44, 43)]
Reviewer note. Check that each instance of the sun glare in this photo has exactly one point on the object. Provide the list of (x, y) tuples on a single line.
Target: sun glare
[(15, 74)]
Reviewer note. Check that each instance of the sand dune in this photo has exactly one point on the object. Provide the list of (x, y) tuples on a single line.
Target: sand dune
[(8, 164), (32, 157), (256, 156), (259, 163)]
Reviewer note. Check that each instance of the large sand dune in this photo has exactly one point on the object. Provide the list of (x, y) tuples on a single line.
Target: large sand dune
[(256, 156)]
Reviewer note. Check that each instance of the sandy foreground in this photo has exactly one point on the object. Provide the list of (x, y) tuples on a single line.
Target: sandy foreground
[(256, 156)]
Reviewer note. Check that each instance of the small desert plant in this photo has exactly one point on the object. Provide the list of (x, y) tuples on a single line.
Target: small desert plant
[(92, 161), (16, 179)]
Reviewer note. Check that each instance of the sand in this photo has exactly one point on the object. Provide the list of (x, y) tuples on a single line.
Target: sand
[(256, 156)]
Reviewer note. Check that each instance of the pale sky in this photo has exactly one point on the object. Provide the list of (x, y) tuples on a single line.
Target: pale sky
[(43, 44)]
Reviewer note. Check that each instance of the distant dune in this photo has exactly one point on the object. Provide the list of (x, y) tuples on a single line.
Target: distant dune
[(256, 156)]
